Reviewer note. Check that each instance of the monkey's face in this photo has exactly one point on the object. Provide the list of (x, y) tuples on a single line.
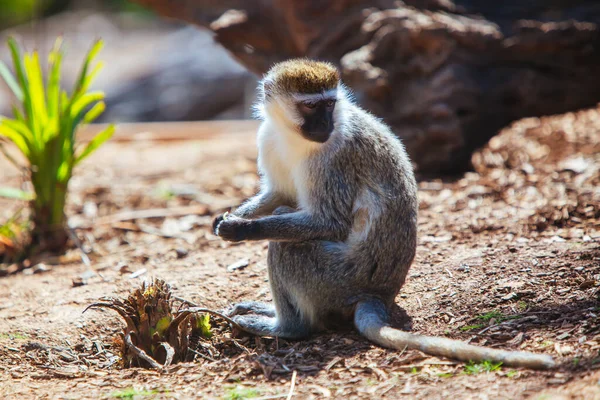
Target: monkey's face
[(317, 119)]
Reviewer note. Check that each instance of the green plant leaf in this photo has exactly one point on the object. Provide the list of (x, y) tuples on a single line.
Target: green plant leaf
[(96, 142), (14, 193), (36, 92), (53, 88), (10, 81), (85, 101), (18, 115), (94, 112), (163, 324), (20, 72), (203, 323), (14, 137), (84, 80)]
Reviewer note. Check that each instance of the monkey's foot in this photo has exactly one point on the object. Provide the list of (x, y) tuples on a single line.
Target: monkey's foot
[(252, 307), (258, 325), (266, 326)]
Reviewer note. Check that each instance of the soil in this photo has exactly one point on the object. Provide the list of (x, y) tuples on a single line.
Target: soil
[(508, 257)]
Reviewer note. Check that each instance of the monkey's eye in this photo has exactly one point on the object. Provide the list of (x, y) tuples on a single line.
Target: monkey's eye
[(308, 108), (329, 104)]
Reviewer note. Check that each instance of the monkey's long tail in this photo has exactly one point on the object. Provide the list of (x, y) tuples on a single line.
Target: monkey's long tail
[(371, 319)]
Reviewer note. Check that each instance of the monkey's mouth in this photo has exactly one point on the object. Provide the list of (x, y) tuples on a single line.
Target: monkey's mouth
[(319, 136)]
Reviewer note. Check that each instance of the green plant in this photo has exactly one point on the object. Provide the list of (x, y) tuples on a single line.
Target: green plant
[(521, 305), (11, 237), (512, 373), (132, 393), (240, 393), (497, 315), (487, 317), (14, 336), (44, 130), (486, 366), (157, 333), (471, 327)]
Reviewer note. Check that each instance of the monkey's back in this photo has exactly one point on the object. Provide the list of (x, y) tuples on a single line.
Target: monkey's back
[(383, 238)]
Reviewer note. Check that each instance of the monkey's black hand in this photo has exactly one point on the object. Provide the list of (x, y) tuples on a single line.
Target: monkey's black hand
[(216, 223), (235, 229)]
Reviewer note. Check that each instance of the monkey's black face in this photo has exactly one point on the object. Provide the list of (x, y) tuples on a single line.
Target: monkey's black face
[(318, 119)]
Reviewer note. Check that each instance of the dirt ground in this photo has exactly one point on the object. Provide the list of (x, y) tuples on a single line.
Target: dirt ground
[(508, 256)]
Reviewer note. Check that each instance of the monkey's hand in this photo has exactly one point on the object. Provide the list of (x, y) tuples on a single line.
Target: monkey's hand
[(283, 210), (232, 228), (218, 220)]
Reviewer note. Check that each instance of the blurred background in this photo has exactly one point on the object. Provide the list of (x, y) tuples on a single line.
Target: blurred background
[(446, 75), (156, 69)]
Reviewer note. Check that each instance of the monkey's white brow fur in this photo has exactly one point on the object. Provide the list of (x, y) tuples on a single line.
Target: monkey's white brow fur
[(314, 97)]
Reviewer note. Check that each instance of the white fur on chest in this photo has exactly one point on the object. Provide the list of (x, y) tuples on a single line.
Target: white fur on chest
[(283, 162)]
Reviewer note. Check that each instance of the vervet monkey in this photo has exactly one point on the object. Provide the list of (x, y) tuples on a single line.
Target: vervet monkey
[(338, 205)]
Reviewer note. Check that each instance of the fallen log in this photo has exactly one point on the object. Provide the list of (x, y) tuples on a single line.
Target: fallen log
[(446, 75)]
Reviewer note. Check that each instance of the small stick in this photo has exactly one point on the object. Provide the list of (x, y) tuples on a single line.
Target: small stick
[(291, 393), (83, 255), (197, 308), (403, 351), (215, 313), (189, 303), (170, 353), (145, 214), (201, 355), (141, 353)]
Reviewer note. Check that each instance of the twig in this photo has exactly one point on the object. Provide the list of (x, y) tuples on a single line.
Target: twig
[(170, 353), (215, 313), (10, 158), (292, 386), (332, 363), (173, 131), (189, 303), (198, 209), (403, 351), (82, 254), (128, 226), (141, 353), (239, 346), (201, 355), (197, 308)]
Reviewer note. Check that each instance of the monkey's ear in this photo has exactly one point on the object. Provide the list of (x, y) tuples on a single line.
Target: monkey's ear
[(268, 87)]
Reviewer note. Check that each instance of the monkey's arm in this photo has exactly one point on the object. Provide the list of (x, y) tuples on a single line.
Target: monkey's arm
[(295, 226), (262, 204)]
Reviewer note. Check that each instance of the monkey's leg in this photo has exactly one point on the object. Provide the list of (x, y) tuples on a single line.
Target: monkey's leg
[(285, 323), (304, 285), (252, 307), (261, 325), (293, 313)]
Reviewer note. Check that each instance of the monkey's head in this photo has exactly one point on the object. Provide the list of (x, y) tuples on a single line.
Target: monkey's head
[(302, 94)]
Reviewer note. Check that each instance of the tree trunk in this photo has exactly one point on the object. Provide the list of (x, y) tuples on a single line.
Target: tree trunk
[(445, 75)]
